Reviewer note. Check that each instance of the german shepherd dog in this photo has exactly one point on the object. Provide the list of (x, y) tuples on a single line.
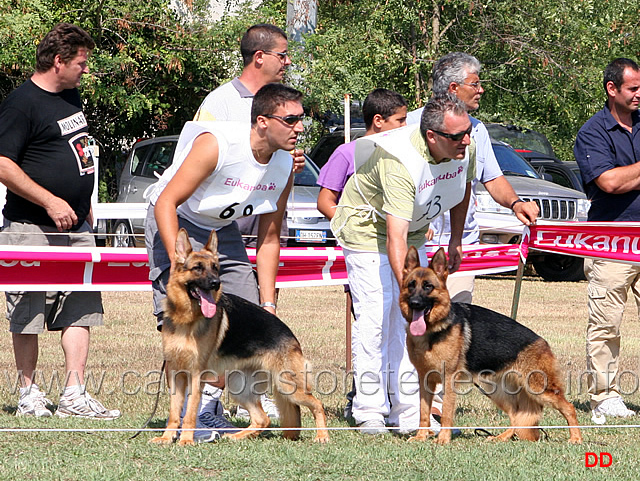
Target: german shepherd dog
[(206, 331), (508, 362)]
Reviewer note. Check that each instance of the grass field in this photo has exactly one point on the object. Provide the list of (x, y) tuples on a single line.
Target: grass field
[(126, 356)]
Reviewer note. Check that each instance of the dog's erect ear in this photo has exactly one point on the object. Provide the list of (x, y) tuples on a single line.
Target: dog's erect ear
[(183, 246), (439, 263), (212, 243), (411, 261)]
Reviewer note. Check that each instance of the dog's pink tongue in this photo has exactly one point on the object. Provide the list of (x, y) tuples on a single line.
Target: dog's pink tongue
[(207, 304), (418, 327)]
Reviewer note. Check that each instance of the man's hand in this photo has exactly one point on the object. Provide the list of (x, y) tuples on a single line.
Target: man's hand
[(61, 213), (526, 212), (455, 257), (298, 160)]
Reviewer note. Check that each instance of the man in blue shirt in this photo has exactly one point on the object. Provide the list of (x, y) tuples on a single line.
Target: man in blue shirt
[(607, 150)]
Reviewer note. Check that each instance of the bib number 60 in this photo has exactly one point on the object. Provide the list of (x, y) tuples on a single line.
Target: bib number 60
[(229, 212)]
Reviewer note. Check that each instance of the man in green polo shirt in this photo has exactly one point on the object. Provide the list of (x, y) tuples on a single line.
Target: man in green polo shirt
[(404, 179)]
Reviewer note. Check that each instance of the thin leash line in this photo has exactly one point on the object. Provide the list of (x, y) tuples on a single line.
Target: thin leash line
[(391, 428)]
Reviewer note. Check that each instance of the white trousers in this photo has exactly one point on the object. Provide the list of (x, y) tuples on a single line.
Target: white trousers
[(386, 381)]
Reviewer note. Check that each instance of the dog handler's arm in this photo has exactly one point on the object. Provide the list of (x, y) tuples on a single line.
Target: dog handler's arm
[(197, 166), (268, 248), (458, 217), (397, 233)]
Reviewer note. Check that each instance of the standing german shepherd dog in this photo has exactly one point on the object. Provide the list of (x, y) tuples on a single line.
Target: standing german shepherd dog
[(508, 362), (206, 331)]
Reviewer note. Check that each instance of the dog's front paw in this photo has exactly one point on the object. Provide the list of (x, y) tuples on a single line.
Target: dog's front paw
[(444, 437), (421, 435), (186, 442), (322, 438), (161, 440)]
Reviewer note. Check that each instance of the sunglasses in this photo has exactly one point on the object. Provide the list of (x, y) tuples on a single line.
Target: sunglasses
[(281, 55), (289, 119), (455, 137)]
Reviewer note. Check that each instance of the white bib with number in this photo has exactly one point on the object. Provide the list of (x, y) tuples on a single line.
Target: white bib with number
[(438, 187), (239, 186)]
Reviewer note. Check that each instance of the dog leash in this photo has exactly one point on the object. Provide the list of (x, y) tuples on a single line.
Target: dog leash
[(481, 432), (155, 406)]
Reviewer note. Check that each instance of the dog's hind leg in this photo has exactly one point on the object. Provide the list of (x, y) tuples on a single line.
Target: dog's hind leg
[(293, 387), (289, 416), (547, 388), (259, 420), (528, 415), (242, 387), (556, 399)]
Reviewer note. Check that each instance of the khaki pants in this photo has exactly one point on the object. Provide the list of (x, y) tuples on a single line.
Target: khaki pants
[(609, 284)]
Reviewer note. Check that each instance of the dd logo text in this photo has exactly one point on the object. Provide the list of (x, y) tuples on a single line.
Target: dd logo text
[(602, 460)]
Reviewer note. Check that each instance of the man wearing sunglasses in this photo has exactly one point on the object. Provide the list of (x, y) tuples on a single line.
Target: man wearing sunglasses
[(265, 60), (223, 171), (458, 74), (404, 178)]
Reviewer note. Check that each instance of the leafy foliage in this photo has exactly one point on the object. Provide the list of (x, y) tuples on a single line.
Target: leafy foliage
[(542, 61), (150, 69)]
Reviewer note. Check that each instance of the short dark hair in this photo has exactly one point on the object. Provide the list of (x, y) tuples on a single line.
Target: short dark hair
[(615, 71), (262, 36), (453, 67), (270, 97), (435, 110), (382, 102), (65, 40)]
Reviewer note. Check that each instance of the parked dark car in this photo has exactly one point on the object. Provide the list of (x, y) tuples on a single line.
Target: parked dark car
[(566, 173)]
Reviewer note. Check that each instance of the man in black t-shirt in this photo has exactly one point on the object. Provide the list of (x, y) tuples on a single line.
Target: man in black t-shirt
[(49, 175)]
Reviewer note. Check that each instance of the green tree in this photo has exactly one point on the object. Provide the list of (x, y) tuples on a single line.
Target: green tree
[(150, 69), (542, 60)]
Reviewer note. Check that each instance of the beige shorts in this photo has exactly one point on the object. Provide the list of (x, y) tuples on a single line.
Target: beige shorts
[(31, 312)]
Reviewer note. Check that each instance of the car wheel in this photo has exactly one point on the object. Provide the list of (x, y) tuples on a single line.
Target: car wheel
[(122, 235), (558, 268)]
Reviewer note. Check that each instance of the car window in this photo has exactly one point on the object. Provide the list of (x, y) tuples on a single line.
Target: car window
[(137, 161), (511, 163), (159, 160), (558, 177), (325, 148), (307, 177), (520, 138)]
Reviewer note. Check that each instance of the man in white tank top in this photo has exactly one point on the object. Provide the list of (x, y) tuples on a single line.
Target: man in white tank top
[(223, 171)]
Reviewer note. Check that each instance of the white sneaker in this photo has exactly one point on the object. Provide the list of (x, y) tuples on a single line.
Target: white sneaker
[(613, 407), (85, 406), (33, 403), (267, 404), (373, 427)]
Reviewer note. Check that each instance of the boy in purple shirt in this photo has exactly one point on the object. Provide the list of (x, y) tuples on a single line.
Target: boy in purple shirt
[(382, 110)]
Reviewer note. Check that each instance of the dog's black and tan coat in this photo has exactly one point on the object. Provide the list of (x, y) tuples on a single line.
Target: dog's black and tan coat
[(453, 343), (206, 331)]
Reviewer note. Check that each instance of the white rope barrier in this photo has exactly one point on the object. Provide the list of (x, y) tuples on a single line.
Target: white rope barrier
[(277, 428)]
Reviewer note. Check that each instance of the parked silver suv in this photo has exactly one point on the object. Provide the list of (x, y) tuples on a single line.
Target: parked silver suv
[(148, 159)]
